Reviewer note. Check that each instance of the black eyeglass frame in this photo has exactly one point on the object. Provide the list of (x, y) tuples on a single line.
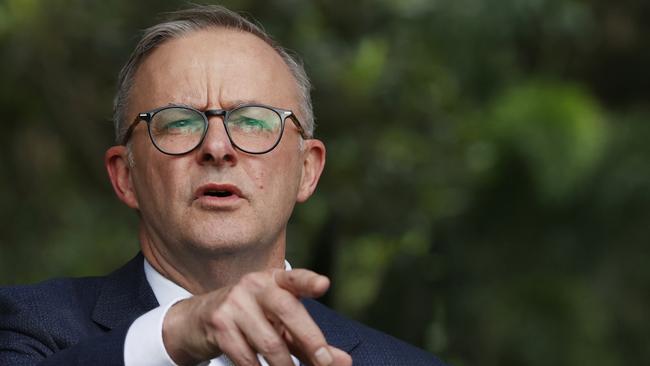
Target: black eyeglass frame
[(224, 113)]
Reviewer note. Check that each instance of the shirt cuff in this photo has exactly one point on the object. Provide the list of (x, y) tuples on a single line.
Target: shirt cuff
[(144, 345)]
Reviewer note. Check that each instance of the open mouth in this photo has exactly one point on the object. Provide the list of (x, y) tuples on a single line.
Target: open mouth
[(218, 191), (215, 193)]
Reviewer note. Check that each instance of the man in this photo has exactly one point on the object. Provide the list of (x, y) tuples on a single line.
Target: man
[(214, 126)]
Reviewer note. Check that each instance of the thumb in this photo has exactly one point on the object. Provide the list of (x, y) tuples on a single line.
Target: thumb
[(302, 282)]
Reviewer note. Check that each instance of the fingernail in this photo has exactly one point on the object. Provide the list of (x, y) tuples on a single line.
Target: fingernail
[(323, 356)]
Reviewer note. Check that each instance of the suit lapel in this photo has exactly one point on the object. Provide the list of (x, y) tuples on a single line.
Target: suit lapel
[(125, 295), (337, 330)]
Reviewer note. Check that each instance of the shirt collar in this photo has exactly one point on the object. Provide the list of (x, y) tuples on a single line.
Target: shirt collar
[(167, 291)]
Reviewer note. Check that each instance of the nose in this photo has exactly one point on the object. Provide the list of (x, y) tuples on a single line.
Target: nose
[(216, 148)]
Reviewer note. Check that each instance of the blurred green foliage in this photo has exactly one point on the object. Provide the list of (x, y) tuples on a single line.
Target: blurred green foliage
[(487, 192)]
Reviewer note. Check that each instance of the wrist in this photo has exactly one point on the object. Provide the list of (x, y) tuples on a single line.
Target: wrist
[(174, 337)]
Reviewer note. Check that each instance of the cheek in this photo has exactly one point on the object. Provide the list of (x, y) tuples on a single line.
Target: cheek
[(170, 179), (273, 181), (260, 177), (156, 178)]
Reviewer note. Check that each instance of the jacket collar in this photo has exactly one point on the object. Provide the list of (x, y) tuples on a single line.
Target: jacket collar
[(124, 296)]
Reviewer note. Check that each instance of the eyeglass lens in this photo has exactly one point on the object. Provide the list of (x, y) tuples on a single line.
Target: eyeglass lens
[(178, 130)]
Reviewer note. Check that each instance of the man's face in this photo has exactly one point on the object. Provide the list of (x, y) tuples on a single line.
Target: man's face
[(215, 69)]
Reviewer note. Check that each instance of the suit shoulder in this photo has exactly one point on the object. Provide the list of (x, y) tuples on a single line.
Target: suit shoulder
[(372, 346), (50, 295)]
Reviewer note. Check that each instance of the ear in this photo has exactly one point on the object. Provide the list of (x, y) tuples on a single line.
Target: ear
[(119, 172), (313, 164)]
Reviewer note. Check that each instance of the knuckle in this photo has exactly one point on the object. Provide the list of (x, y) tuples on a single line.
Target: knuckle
[(254, 280), (313, 341), (292, 276), (236, 297), (298, 277), (219, 321), (285, 305), (271, 345)]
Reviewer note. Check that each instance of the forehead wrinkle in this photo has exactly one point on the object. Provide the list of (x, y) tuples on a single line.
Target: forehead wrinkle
[(243, 53), (159, 79), (212, 96), (268, 87), (194, 75), (215, 80)]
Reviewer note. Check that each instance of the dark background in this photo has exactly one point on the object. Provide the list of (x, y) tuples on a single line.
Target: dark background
[(487, 191)]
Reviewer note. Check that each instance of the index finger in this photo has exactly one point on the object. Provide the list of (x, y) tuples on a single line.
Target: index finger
[(302, 282), (296, 325)]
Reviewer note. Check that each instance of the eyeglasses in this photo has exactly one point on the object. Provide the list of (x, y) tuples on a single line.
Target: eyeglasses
[(251, 128)]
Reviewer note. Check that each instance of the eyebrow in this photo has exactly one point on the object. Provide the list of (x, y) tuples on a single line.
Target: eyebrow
[(172, 104), (228, 105), (240, 102)]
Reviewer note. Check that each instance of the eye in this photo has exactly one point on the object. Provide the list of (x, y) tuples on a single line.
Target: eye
[(182, 126), (250, 124)]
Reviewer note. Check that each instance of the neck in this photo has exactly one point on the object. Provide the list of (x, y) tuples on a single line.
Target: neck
[(199, 272)]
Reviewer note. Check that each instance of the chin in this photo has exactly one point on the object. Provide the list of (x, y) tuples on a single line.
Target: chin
[(223, 245)]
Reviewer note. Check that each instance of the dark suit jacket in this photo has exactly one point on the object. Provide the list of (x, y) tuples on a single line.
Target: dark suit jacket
[(84, 321)]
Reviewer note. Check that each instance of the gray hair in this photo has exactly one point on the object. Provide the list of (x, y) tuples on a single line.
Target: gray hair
[(194, 19)]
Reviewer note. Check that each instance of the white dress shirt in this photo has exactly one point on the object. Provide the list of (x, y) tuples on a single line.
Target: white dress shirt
[(144, 344)]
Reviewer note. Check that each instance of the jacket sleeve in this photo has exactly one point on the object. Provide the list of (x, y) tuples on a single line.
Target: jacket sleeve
[(51, 326), (23, 348)]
